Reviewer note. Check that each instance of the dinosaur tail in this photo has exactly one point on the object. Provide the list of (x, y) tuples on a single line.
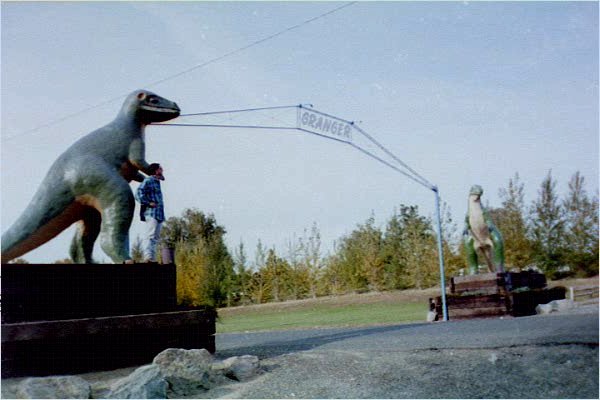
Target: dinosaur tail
[(49, 213)]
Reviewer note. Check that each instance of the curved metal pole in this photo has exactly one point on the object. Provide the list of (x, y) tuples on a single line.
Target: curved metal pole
[(417, 178), (441, 253)]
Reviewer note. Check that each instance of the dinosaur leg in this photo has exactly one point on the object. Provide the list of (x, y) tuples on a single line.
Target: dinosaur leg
[(487, 254), (498, 254), (114, 231), (472, 262), (87, 232), (108, 192)]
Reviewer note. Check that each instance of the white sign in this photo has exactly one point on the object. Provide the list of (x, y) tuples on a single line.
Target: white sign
[(326, 125)]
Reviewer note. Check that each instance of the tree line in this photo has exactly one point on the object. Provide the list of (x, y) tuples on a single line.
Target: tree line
[(554, 235)]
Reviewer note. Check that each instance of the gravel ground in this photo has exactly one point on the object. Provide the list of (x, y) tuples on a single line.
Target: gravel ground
[(550, 356), (556, 371)]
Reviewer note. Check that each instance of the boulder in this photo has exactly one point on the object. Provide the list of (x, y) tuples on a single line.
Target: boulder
[(145, 382), (543, 309), (431, 316), (562, 305), (54, 387), (186, 371), (240, 368), (555, 306)]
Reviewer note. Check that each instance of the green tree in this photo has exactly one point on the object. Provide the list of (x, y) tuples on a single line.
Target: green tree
[(511, 221), (279, 277), (360, 259), (393, 254), (192, 274), (419, 248), (312, 263), (348, 264), (242, 276), (332, 280), (581, 228), (273, 278), (299, 270), (403, 256), (451, 243), (259, 288), (547, 228), (201, 256), (370, 241)]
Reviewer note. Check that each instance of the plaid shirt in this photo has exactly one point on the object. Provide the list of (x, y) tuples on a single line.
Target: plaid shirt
[(149, 191)]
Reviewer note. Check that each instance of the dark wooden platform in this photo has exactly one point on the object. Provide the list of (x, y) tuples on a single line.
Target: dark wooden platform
[(95, 344), (62, 319), (33, 292), (496, 294)]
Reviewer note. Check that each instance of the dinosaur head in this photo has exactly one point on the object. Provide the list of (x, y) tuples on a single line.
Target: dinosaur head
[(476, 191), (148, 107)]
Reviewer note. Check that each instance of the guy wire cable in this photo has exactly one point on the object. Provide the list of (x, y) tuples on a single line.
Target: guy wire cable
[(417, 178), (178, 74)]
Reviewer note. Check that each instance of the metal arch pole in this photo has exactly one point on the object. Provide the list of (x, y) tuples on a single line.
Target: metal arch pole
[(421, 181), (441, 253)]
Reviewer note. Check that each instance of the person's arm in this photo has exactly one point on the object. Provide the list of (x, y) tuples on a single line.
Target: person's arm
[(142, 195)]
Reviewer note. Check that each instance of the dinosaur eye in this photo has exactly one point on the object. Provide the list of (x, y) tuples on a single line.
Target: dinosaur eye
[(141, 95)]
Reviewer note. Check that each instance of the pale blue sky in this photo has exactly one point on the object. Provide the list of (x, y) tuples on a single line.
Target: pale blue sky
[(464, 92)]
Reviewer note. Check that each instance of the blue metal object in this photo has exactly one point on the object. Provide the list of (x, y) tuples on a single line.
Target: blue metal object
[(441, 253)]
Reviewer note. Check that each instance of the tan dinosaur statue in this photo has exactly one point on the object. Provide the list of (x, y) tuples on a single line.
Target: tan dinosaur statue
[(480, 234)]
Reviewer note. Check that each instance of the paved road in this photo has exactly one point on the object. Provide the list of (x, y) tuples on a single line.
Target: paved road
[(552, 356)]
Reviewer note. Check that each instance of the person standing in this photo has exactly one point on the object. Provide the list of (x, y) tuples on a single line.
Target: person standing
[(152, 210)]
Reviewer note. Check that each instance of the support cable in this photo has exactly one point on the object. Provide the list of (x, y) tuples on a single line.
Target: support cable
[(229, 126), (423, 181), (368, 153), (255, 43), (364, 151), (178, 74), (238, 111)]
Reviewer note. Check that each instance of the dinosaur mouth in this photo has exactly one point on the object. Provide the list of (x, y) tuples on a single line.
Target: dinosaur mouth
[(162, 109)]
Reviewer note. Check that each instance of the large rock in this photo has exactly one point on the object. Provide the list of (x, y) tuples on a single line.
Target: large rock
[(562, 305), (186, 371), (431, 316), (555, 306), (239, 368), (146, 382), (54, 387), (543, 309)]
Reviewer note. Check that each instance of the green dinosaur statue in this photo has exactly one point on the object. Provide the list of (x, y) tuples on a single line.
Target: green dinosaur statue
[(89, 184), (480, 234)]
